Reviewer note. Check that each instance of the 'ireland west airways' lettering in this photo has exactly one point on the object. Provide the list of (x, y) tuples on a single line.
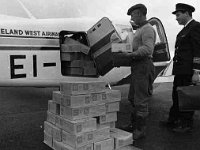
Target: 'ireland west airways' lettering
[(17, 32)]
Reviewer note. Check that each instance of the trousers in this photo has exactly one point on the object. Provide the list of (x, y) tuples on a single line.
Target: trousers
[(175, 114), (141, 87)]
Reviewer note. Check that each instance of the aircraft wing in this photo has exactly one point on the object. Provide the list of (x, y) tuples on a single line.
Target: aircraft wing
[(8, 17)]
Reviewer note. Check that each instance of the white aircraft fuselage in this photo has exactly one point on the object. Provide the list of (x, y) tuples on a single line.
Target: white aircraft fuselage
[(30, 52)]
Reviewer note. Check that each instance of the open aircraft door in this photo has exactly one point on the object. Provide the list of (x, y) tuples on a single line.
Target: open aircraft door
[(161, 55), (161, 50)]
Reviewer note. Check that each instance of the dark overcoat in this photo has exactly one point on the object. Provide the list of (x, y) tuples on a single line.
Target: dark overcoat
[(187, 50)]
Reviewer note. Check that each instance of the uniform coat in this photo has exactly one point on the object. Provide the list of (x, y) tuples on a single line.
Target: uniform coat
[(187, 50), (186, 58)]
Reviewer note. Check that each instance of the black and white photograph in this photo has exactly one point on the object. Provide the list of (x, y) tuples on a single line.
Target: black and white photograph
[(99, 75)]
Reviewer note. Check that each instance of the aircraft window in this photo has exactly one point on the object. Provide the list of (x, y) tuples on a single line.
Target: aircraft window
[(157, 35), (161, 50)]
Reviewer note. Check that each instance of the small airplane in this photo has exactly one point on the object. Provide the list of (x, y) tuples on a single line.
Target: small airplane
[(31, 55)]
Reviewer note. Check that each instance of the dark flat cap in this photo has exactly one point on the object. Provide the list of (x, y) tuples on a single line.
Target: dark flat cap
[(183, 7), (137, 6)]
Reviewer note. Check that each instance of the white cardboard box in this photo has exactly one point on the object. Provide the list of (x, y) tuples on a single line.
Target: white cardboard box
[(108, 117), (71, 45), (51, 117), (56, 96), (52, 130), (71, 56), (48, 139), (83, 112), (82, 63), (79, 140), (113, 95), (101, 134), (48, 128), (70, 48), (98, 98), (75, 100), (100, 37), (107, 124), (121, 137), (121, 47), (112, 107), (80, 100), (62, 146), (57, 133), (107, 144), (88, 71), (53, 107), (100, 30), (57, 145), (79, 126), (81, 87), (58, 121)]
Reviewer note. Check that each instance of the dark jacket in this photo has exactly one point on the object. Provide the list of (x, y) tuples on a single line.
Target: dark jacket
[(187, 49)]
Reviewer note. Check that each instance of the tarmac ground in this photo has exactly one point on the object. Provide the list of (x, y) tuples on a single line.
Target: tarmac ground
[(23, 112)]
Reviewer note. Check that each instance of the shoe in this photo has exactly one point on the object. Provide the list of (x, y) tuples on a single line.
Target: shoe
[(181, 129), (167, 124), (137, 134), (128, 128)]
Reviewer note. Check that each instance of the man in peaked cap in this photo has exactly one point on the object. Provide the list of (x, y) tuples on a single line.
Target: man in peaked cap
[(183, 7), (186, 66), (142, 70)]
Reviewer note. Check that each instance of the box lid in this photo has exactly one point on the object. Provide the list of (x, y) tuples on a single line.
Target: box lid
[(100, 37)]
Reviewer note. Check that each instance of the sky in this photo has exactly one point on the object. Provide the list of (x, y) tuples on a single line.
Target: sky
[(116, 9)]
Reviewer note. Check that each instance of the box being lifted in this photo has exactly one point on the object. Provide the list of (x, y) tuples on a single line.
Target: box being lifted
[(100, 37)]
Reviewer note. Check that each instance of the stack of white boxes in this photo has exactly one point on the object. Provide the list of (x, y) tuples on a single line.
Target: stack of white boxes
[(82, 116)]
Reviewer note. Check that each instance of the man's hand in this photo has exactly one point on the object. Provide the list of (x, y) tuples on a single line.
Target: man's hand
[(195, 77), (128, 54)]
